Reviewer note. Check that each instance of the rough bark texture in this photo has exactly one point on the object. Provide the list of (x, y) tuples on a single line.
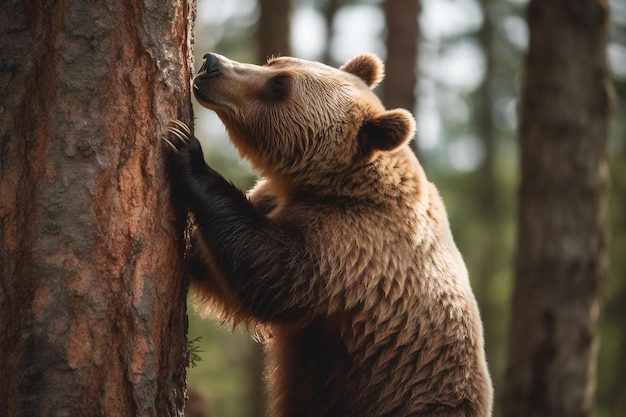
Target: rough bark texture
[(273, 30), (560, 265), (92, 298), (401, 67)]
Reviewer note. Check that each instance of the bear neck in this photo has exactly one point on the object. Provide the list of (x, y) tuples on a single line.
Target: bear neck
[(392, 175)]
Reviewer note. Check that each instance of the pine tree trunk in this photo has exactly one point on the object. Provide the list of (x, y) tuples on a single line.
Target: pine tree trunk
[(401, 66), (92, 296), (329, 9), (485, 102), (560, 265), (484, 275), (273, 30)]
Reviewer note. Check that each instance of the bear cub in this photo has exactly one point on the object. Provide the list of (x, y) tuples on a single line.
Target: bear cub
[(341, 254)]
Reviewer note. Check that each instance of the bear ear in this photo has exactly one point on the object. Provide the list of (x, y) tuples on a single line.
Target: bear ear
[(367, 67), (389, 130)]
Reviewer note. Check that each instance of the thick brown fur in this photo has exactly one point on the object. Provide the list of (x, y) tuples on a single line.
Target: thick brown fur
[(356, 280)]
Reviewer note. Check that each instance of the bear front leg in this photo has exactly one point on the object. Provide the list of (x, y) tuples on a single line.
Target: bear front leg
[(266, 267)]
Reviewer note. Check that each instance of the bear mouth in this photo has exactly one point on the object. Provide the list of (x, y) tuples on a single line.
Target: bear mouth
[(197, 91), (206, 101), (209, 74)]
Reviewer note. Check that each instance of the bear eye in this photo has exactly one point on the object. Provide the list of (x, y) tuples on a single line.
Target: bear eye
[(276, 87)]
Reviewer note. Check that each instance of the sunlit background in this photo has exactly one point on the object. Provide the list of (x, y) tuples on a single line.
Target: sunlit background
[(452, 71)]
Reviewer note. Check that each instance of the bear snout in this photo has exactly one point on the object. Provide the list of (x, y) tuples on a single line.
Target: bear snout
[(210, 67)]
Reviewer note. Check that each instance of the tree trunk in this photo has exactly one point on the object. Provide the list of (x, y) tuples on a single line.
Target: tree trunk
[(329, 9), (92, 295), (401, 67), (560, 265), (486, 96), (273, 30), (486, 194)]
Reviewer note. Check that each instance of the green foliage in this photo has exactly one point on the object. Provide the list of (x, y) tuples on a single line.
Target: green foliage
[(194, 350), (222, 369)]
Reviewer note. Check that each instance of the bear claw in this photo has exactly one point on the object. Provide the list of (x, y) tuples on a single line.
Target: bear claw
[(170, 144), (181, 133), (185, 149), (180, 125)]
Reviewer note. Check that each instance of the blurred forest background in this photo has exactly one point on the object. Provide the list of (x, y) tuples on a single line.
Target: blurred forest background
[(465, 95)]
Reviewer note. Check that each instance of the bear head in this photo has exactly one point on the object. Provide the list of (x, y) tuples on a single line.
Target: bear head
[(299, 119)]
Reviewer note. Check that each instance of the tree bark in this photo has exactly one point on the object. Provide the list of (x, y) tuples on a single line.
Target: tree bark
[(560, 265), (401, 68), (92, 295), (273, 30)]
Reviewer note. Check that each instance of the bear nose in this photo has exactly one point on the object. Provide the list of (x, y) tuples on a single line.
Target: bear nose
[(210, 67)]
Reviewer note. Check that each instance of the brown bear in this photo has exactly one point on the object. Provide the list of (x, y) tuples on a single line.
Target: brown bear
[(342, 253)]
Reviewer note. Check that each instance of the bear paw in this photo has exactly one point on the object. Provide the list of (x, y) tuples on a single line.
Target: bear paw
[(186, 151), (179, 136)]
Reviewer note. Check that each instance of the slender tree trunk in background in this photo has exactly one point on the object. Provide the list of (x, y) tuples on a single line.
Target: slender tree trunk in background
[(273, 34), (256, 363), (274, 28), (329, 9), (484, 276), (560, 265), (403, 37), (92, 295), (488, 185)]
